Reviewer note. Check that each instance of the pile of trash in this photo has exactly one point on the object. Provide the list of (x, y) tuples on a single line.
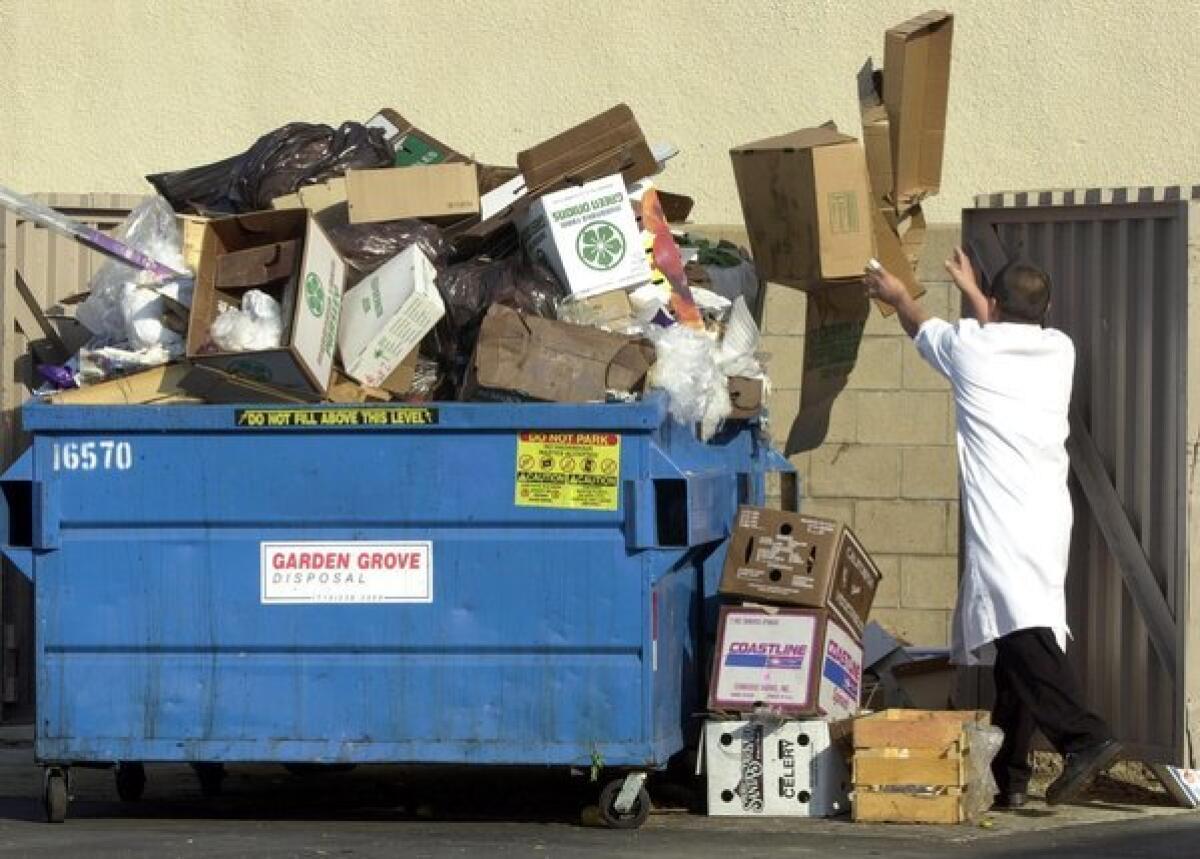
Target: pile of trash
[(373, 263)]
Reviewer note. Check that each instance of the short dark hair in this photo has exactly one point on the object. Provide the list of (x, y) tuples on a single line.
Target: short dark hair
[(1022, 292)]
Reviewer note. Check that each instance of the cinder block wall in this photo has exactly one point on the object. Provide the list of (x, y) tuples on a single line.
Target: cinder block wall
[(888, 466)]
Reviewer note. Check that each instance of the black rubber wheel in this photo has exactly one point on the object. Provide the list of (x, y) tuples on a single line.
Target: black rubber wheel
[(211, 777), (55, 798), (631, 819), (131, 781)]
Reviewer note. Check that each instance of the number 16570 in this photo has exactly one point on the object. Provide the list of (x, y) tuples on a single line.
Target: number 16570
[(105, 454)]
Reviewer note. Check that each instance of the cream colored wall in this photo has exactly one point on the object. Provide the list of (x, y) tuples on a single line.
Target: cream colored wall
[(96, 93), (1052, 93)]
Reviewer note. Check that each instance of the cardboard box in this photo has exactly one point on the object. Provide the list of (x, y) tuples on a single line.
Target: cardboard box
[(218, 387), (410, 145), (588, 236), (798, 662), (311, 301), (157, 385), (555, 361), (442, 191), (916, 72), (611, 142), (325, 200), (611, 311), (191, 229), (796, 559), (345, 390), (774, 769), (387, 314), (807, 205), (747, 397)]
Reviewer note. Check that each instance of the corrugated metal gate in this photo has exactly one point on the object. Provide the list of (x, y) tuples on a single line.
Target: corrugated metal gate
[(38, 270), (1126, 270)]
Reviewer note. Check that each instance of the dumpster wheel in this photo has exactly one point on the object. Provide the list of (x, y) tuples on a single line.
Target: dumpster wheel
[(55, 797), (131, 781), (638, 809)]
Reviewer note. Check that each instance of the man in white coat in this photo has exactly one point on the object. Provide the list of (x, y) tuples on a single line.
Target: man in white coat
[(1011, 378)]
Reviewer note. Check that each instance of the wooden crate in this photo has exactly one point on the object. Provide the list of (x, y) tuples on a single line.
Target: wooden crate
[(910, 766)]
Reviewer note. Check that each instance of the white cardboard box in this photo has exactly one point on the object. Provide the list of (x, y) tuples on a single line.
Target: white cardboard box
[(588, 236), (387, 314), (774, 769), (796, 662)]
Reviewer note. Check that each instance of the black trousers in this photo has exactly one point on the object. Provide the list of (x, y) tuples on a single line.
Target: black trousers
[(1036, 689)]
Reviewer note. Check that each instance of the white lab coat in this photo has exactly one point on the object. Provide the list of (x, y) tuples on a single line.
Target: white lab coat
[(1012, 390)]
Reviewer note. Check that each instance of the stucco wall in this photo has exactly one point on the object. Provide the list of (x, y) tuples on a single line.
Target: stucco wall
[(96, 93)]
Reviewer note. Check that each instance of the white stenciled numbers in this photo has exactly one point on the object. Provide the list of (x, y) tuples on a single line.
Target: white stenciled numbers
[(103, 455)]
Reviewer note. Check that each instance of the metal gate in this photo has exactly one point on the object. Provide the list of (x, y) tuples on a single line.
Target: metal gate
[(1126, 270)]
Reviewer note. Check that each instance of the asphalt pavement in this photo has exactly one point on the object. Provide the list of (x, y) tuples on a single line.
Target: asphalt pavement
[(388, 811)]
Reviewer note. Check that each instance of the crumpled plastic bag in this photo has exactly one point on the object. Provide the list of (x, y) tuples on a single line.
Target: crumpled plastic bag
[(738, 352), (256, 326), (687, 370), (468, 289), (365, 247), (126, 306), (278, 163), (983, 742)]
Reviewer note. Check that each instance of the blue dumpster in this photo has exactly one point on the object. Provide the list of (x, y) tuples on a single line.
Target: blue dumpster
[(452, 583)]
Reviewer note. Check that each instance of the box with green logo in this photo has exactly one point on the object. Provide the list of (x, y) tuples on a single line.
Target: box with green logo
[(588, 236), (311, 298)]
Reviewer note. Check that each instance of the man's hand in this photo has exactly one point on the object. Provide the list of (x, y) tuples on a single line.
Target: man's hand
[(889, 289), (963, 275)]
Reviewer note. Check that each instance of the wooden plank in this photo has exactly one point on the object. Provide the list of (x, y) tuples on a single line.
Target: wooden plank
[(932, 734), (875, 807), (1122, 542), (908, 767)]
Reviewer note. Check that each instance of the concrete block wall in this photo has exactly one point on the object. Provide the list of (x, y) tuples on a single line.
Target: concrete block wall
[(888, 466)]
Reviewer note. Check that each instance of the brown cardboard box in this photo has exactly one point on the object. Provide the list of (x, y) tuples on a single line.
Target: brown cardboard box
[(555, 361), (807, 204), (216, 386), (448, 191), (746, 396), (410, 145), (326, 201), (157, 385), (916, 85), (311, 301), (796, 559), (611, 142)]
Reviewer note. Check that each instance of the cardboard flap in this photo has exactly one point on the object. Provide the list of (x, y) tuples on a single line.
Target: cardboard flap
[(256, 267), (216, 386), (556, 361), (805, 138), (410, 145), (611, 142)]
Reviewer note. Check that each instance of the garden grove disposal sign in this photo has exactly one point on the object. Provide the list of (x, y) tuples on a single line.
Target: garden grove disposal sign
[(346, 572)]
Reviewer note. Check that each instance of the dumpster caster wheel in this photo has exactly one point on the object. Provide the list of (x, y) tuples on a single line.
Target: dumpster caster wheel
[(54, 795), (211, 777), (630, 811), (131, 781)]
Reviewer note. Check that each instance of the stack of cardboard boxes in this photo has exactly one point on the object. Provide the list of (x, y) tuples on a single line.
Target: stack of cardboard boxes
[(789, 646)]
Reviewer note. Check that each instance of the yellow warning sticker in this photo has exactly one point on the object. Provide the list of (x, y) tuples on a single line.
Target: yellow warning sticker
[(571, 470)]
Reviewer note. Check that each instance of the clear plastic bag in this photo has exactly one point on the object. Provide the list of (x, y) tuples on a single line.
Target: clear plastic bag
[(983, 742), (256, 326), (126, 307), (686, 368)]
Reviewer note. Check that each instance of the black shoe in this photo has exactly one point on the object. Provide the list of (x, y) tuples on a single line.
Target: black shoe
[(1013, 799), (1079, 769)]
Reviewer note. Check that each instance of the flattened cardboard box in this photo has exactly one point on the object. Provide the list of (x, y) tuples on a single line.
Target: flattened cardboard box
[(798, 662), (916, 86), (555, 361), (806, 200), (311, 301), (610, 142), (440, 191), (410, 145), (795, 559)]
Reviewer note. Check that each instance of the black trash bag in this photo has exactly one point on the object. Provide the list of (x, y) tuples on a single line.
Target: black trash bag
[(365, 247), (468, 289), (278, 163)]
